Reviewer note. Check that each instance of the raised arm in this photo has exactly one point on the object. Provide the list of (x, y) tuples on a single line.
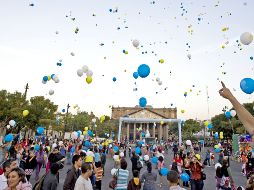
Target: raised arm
[(244, 115)]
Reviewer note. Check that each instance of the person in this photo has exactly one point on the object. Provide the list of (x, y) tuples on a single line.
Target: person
[(103, 160), (173, 180), (160, 166), (149, 178), (40, 161), (83, 182), (50, 181), (175, 150), (186, 165), (98, 175), (122, 176), (207, 158), (243, 114), (221, 156), (134, 183), (227, 178), (73, 173), (17, 180), (196, 177), (218, 177), (30, 163), (97, 156), (179, 162), (134, 161), (8, 165)]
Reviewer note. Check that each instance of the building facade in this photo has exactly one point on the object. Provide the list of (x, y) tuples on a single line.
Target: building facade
[(130, 130)]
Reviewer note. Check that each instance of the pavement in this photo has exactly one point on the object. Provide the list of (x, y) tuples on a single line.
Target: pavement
[(209, 183)]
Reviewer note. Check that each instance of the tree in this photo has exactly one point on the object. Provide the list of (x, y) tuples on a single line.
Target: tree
[(190, 126)]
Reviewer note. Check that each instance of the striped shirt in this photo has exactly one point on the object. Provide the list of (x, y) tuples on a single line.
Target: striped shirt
[(99, 173), (122, 179)]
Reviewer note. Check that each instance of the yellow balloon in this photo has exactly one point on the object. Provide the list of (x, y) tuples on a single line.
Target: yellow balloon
[(198, 156), (162, 122), (126, 52), (106, 143), (89, 79), (89, 159), (102, 144), (206, 123), (48, 147), (86, 128), (25, 113), (216, 146), (102, 118), (49, 78), (161, 60), (182, 111), (84, 132)]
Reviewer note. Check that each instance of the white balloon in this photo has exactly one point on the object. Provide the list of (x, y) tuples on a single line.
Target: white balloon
[(8, 126), (85, 68), (113, 171), (146, 158), (188, 142), (107, 135), (82, 137), (160, 83), (72, 54), (44, 82), (93, 120), (56, 79), (74, 135), (189, 56), (90, 153), (89, 73), (110, 146), (246, 38), (233, 113), (51, 92), (121, 154), (80, 72), (158, 79), (217, 165), (219, 144), (135, 43), (116, 157), (12, 123), (54, 145), (60, 143)]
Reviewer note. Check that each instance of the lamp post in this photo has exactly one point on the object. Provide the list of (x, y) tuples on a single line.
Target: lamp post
[(66, 116)]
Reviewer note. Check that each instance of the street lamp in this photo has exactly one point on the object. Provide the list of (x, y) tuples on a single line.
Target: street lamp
[(66, 116)]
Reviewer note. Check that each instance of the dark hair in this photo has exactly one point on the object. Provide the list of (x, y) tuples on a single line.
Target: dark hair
[(98, 164), (172, 176), (135, 173), (149, 167), (218, 172), (160, 159), (7, 164), (123, 164), (85, 167), (54, 168), (20, 173), (174, 167), (75, 158)]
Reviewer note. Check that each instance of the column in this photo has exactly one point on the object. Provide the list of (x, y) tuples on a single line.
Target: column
[(134, 132), (180, 132), (166, 137), (119, 130), (160, 132), (128, 131), (147, 127), (154, 130)]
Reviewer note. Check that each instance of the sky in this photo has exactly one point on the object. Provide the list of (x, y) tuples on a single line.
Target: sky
[(34, 38)]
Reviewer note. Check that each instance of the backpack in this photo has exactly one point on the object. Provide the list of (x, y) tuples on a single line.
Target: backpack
[(38, 184), (139, 165)]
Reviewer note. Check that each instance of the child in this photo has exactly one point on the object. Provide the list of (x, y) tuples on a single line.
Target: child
[(218, 178), (135, 183), (98, 175), (160, 166)]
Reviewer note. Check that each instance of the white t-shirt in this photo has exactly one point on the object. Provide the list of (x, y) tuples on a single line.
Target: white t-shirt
[(83, 184), (3, 181)]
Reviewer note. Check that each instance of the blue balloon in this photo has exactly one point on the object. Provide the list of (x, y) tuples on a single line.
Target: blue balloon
[(210, 126), (114, 79), (217, 150), (143, 70), (52, 76), (72, 149), (90, 133), (185, 177), (45, 78), (79, 133), (142, 102), (164, 171), (36, 147), (247, 85), (8, 138), (40, 130), (140, 142), (63, 110), (85, 148), (228, 115), (135, 75), (154, 160), (137, 150), (143, 134), (115, 149), (100, 147), (87, 143)]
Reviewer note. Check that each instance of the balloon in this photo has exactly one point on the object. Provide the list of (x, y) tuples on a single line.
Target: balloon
[(90, 133), (72, 54), (135, 75), (40, 130), (160, 83), (102, 118), (74, 135), (206, 123), (115, 149), (182, 111), (154, 160), (8, 138), (198, 156), (227, 114), (164, 171), (210, 126), (137, 150), (184, 177), (142, 102), (113, 171), (72, 149), (114, 79), (89, 73), (135, 43), (188, 142), (36, 147), (146, 158), (217, 165), (60, 143), (51, 92), (79, 133), (185, 94), (12, 123), (233, 113), (56, 79), (44, 82), (89, 79), (161, 61), (53, 76), (63, 110), (246, 38), (86, 128), (94, 120), (45, 78), (219, 144), (216, 146), (87, 143), (25, 113), (143, 70), (121, 154), (85, 68), (80, 72), (189, 56), (49, 78), (217, 150), (247, 85)]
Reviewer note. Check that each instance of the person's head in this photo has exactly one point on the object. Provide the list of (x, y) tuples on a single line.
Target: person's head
[(8, 165), (15, 176), (135, 173), (77, 160), (172, 177), (98, 164), (177, 156), (174, 167), (225, 163), (123, 164), (54, 168), (218, 172), (56, 150), (133, 153), (149, 167), (160, 159), (250, 183), (86, 168), (240, 188)]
